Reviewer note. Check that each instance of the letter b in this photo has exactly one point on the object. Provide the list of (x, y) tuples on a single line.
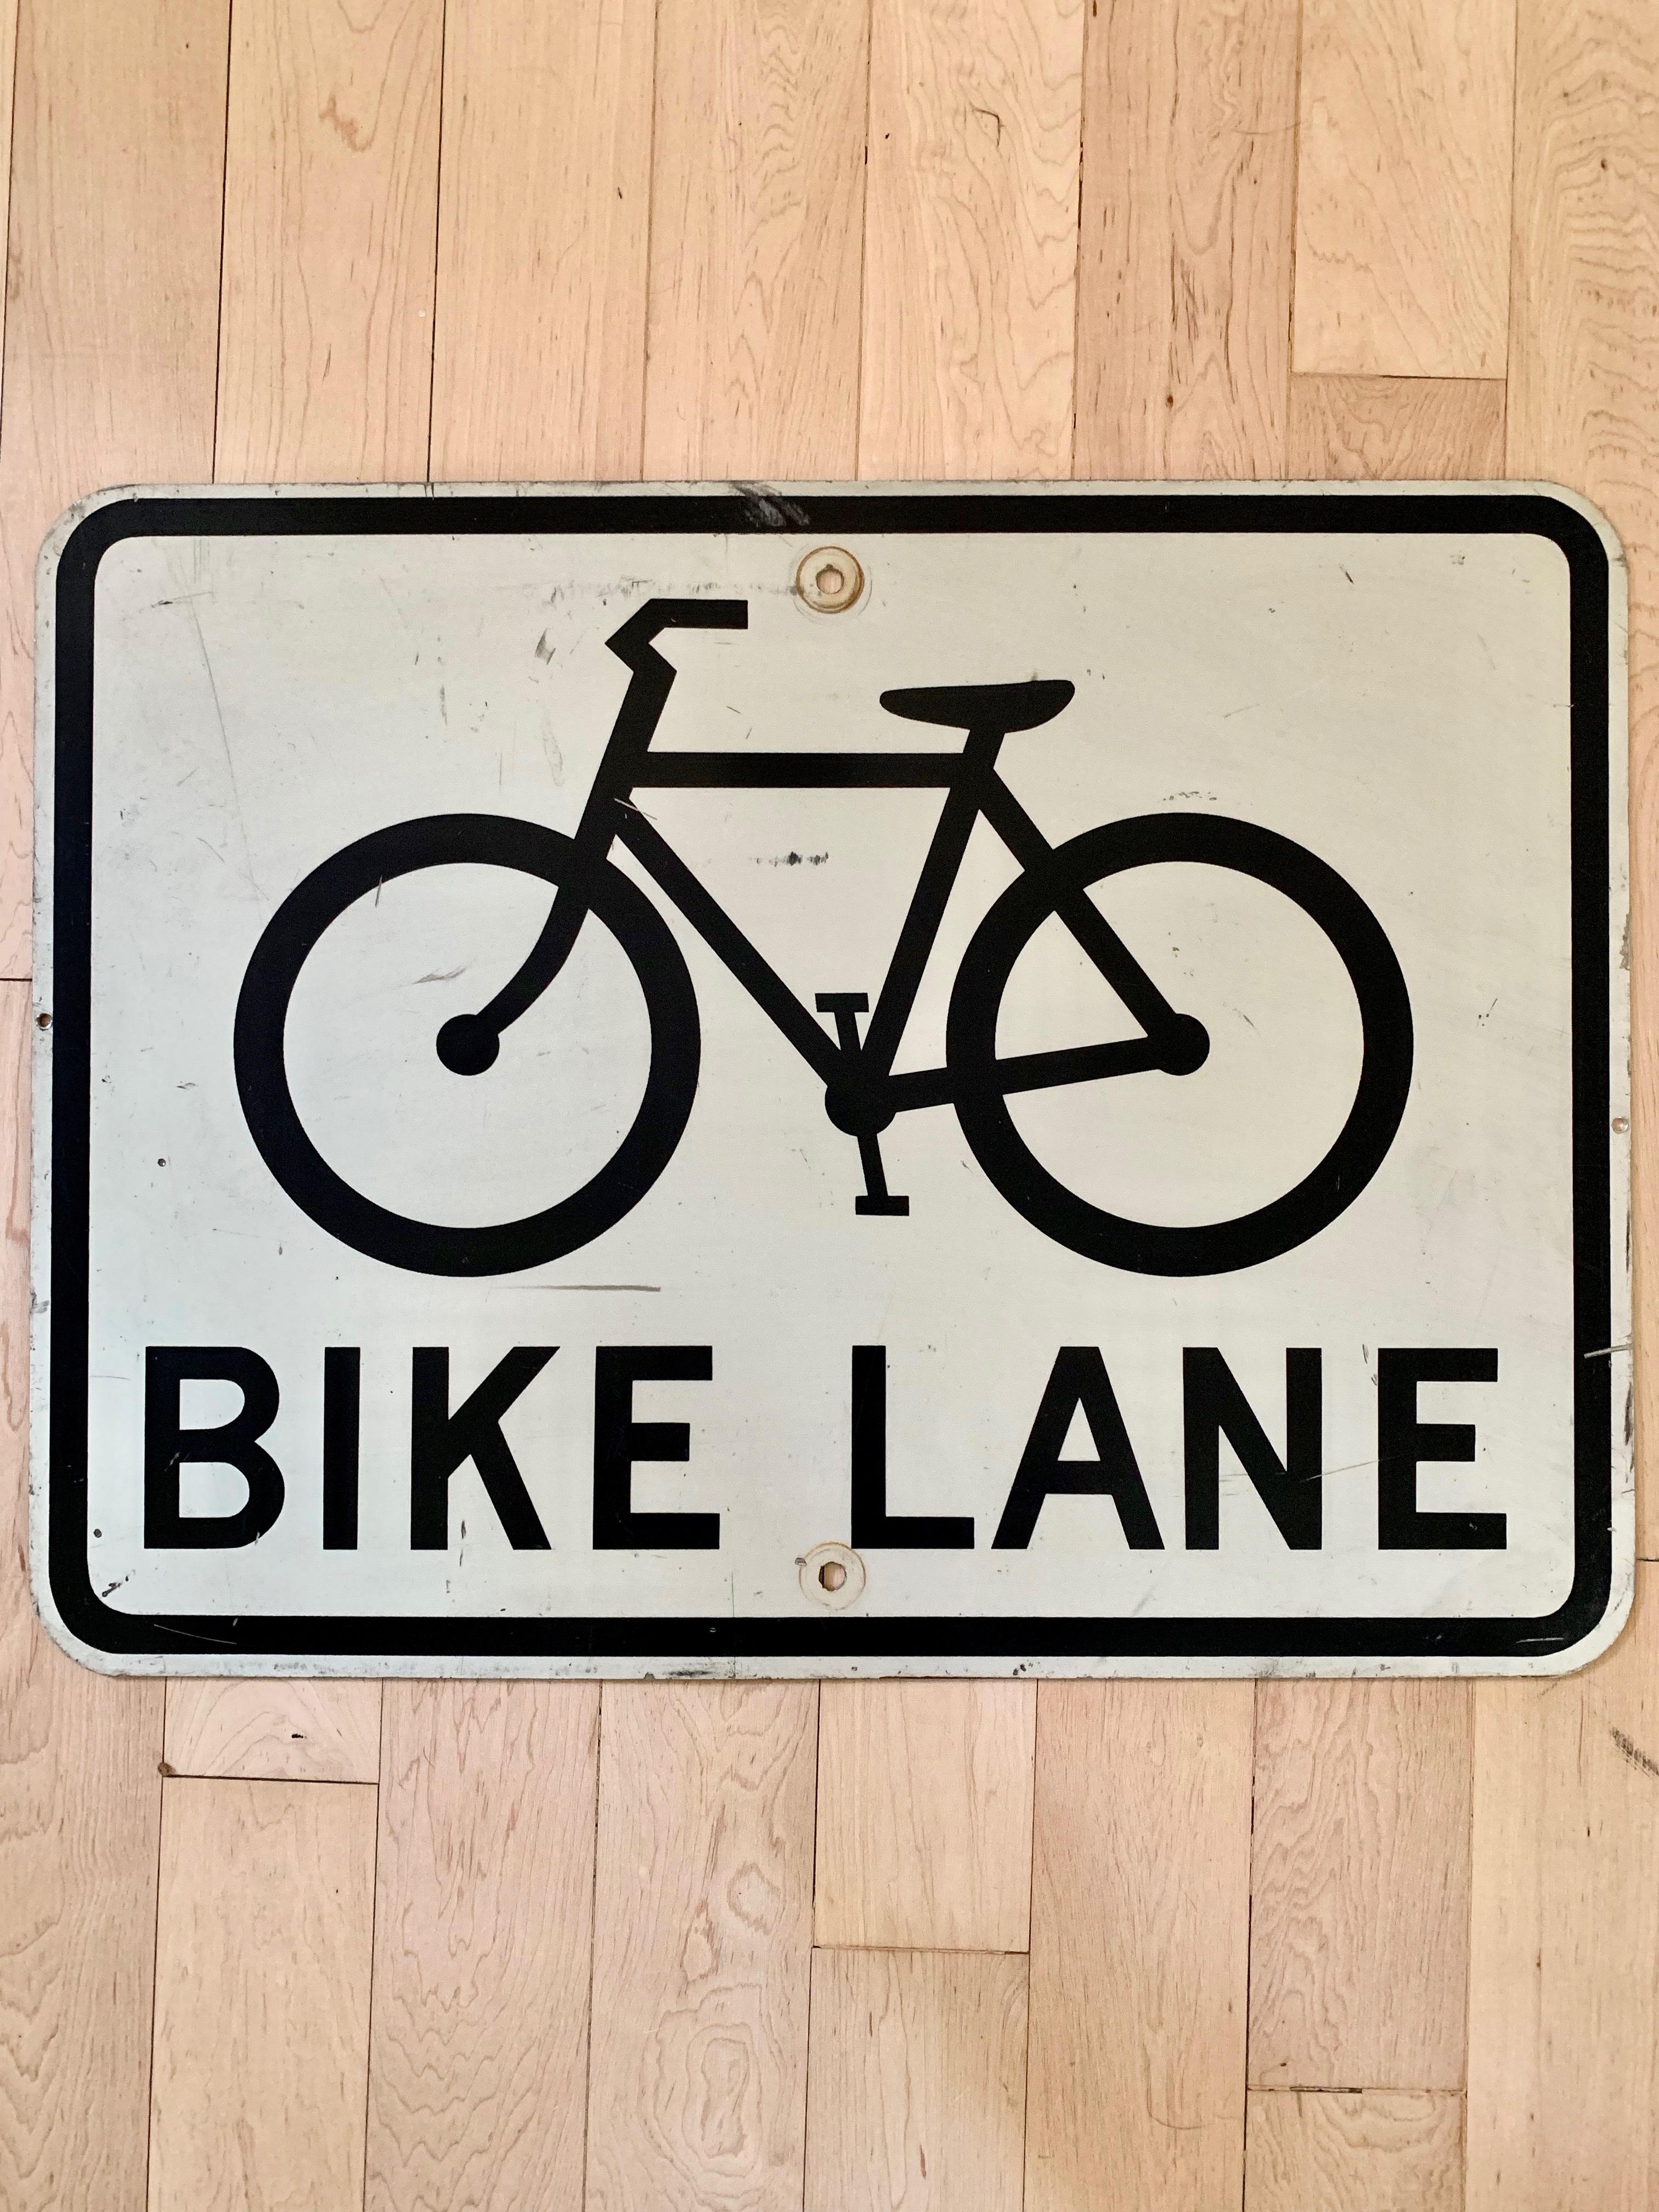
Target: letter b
[(234, 1442)]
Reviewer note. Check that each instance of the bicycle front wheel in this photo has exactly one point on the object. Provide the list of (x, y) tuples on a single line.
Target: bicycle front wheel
[(265, 1077), (981, 1081)]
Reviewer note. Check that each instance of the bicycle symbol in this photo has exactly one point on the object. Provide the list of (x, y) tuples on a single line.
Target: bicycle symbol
[(862, 1093)]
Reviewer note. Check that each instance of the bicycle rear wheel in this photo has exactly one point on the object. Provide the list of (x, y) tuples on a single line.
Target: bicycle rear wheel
[(1162, 1248), (443, 1248)]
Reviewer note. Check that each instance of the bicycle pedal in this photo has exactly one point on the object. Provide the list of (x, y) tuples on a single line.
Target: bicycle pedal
[(883, 1201)]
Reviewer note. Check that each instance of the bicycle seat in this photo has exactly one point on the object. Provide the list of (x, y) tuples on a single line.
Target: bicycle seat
[(1001, 707)]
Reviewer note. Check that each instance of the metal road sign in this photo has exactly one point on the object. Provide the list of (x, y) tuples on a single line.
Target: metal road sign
[(746, 1081)]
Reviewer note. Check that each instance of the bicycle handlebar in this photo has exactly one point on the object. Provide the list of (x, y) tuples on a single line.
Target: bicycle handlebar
[(632, 643)]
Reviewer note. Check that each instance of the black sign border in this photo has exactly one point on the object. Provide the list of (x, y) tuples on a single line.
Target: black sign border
[(205, 1639)]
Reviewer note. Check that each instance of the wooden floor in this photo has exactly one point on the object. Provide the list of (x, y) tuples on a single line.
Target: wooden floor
[(1077, 1948)]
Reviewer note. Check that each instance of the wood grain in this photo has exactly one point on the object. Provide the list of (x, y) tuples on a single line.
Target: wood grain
[(1583, 411), (262, 1968), (277, 1731), (484, 1947), (1139, 1939), (925, 1815), (1360, 1885), (1184, 259), (969, 303), (703, 1899), (1398, 427), (1564, 1968), (1386, 2151), (1402, 231), (9, 15), (111, 307), (80, 1802), (917, 2090), (483, 1944), (970, 238), (1360, 1854), (330, 208), (113, 285), (1140, 1884), (701, 1939), (539, 358), (324, 375), (757, 225)]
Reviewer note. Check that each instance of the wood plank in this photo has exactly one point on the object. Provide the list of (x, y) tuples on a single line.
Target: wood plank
[(485, 1947), (1584, 406), (969, 303), (9, 15), (1140, 1939), (277, 1731), (925, 1815), (704, 1898), (1385, 2151), (325, 374), (118, 153), (1564, 2018), (701, 1942), (1141, 1883), (79, 1804), (109, 348), (970, 238), (1360, 1864), (539, 360), (1563, 1965), (756, 225), (1360, 1885), (1405, 152), (1398, 427), (330, 207), (261, 1967), (917, 2090), (1184, 260), (482, 1944)]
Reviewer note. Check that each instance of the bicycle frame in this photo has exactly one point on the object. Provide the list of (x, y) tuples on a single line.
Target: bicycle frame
[(863, 1093)]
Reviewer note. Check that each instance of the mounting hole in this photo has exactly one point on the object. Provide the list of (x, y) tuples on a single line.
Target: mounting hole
[(832, 1576), (830, 580)]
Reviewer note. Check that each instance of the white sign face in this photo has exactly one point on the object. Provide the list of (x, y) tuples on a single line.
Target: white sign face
[(833, 1081)]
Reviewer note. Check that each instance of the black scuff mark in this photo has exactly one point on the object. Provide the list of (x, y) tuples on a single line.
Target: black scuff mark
[(1633, 1755), (765, 510)]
